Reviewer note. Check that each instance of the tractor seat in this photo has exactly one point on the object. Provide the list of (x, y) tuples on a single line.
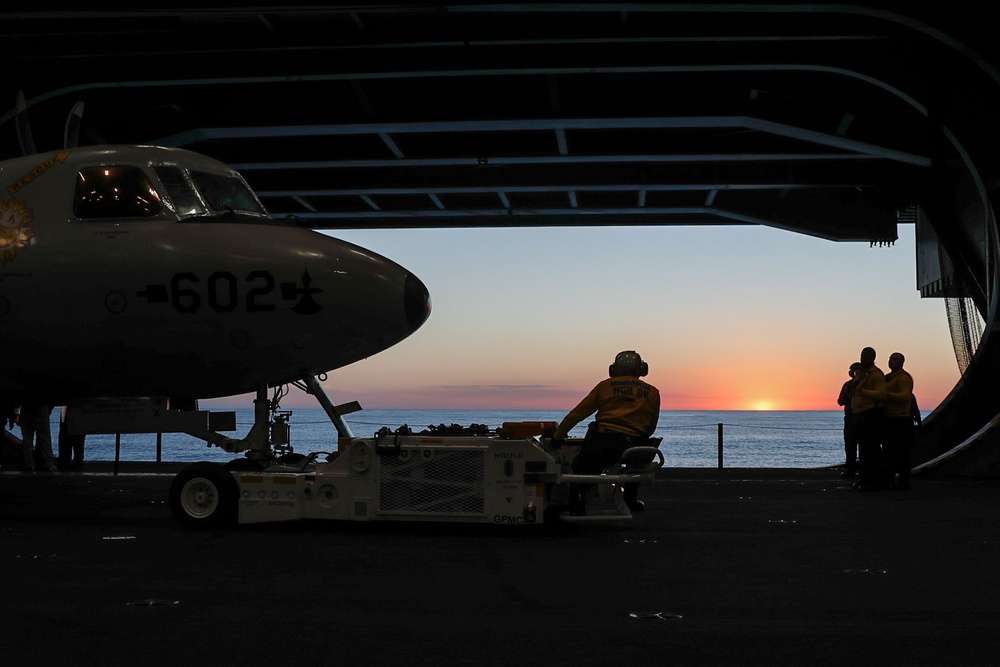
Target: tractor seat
[(638, 460)]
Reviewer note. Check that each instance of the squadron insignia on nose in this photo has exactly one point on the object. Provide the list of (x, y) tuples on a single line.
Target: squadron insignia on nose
[(15, 228), (307, 305)]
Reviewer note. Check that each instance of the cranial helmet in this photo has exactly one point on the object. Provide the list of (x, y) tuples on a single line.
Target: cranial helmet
[(628, 363)]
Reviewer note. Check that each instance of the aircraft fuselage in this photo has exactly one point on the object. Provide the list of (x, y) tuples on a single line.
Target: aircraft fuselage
[(141, 271)]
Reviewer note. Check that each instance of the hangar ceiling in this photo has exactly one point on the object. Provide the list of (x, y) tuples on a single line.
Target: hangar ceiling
[(814, 118)]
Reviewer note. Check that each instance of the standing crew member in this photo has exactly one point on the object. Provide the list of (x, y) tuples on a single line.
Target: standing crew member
[(627, 411), (850, 436), (899, 429), (35, 430), (867, 406)]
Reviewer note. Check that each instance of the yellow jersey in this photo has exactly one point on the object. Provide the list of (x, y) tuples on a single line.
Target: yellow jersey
[(899, 394), (869, 392), (624, 404)]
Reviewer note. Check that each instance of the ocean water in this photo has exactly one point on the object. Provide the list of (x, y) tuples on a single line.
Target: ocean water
[(751, 439)]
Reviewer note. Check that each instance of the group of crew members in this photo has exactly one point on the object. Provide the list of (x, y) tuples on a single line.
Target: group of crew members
[(36, 440), (880, 420)]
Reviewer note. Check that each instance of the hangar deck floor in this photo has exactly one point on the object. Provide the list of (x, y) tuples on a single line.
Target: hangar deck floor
[(724, 567)]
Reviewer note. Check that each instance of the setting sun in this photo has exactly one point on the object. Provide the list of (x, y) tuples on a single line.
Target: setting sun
[(762, 405)]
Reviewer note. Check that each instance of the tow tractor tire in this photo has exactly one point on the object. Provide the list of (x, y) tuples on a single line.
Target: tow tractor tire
[(243, 465), (204, 495)]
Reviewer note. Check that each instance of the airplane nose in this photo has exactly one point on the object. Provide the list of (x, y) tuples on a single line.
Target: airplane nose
[(417, 301)]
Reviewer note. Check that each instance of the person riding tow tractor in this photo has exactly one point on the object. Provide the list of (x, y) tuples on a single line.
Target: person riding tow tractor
[(627, 412)]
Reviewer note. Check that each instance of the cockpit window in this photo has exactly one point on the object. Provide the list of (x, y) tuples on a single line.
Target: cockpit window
[(226, 193), (115, 191), (182, 198)]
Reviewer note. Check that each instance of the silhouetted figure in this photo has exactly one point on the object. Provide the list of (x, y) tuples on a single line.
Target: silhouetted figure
[(70, 446), (899, 427), (627, 412), (36, 438), (867, 409), (850, 434)]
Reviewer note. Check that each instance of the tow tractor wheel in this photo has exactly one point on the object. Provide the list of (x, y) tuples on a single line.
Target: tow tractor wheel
[(243, 465), (204, 495)]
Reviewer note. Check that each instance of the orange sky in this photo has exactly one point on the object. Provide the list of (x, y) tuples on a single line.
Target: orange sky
[(728, 318)]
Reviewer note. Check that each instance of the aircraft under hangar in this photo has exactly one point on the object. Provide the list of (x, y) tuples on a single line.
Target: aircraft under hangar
[(837, 122)]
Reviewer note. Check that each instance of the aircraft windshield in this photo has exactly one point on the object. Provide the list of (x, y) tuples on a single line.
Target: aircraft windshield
[(201, 194), (226, 193), (115, 191), (182, 197)]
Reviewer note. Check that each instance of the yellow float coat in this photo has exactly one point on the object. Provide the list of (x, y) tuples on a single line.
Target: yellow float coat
[(899, 394), (869, 392), (624, 404)]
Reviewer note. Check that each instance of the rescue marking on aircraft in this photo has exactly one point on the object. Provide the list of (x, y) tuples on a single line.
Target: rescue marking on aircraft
[(59, 158)]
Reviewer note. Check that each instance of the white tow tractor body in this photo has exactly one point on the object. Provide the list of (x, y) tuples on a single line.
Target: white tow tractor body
[(471, 479)]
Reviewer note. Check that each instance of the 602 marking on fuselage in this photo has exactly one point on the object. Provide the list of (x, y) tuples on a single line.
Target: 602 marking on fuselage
[(224, 292)]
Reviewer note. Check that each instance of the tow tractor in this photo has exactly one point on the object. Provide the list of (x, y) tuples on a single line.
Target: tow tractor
[(511, 477)]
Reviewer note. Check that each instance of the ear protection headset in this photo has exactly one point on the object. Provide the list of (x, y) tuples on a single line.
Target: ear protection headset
[(628, 363)]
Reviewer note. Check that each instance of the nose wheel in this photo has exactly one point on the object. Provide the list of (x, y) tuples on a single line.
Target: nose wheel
[(203, 495), (199, 498)]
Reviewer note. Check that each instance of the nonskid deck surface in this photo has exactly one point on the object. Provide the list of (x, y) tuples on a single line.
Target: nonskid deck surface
[(746, 566)]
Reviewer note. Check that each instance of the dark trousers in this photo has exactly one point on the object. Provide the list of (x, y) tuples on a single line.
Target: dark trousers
[(70, 448), (868, 429), (600, 450), (35, 430), (899, 437), (850, 443)]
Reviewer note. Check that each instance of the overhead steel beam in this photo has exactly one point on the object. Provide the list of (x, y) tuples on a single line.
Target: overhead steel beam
[(545, 124), (528, 212), (473, 73), (555, 217), (619, 187), (547, 159)]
